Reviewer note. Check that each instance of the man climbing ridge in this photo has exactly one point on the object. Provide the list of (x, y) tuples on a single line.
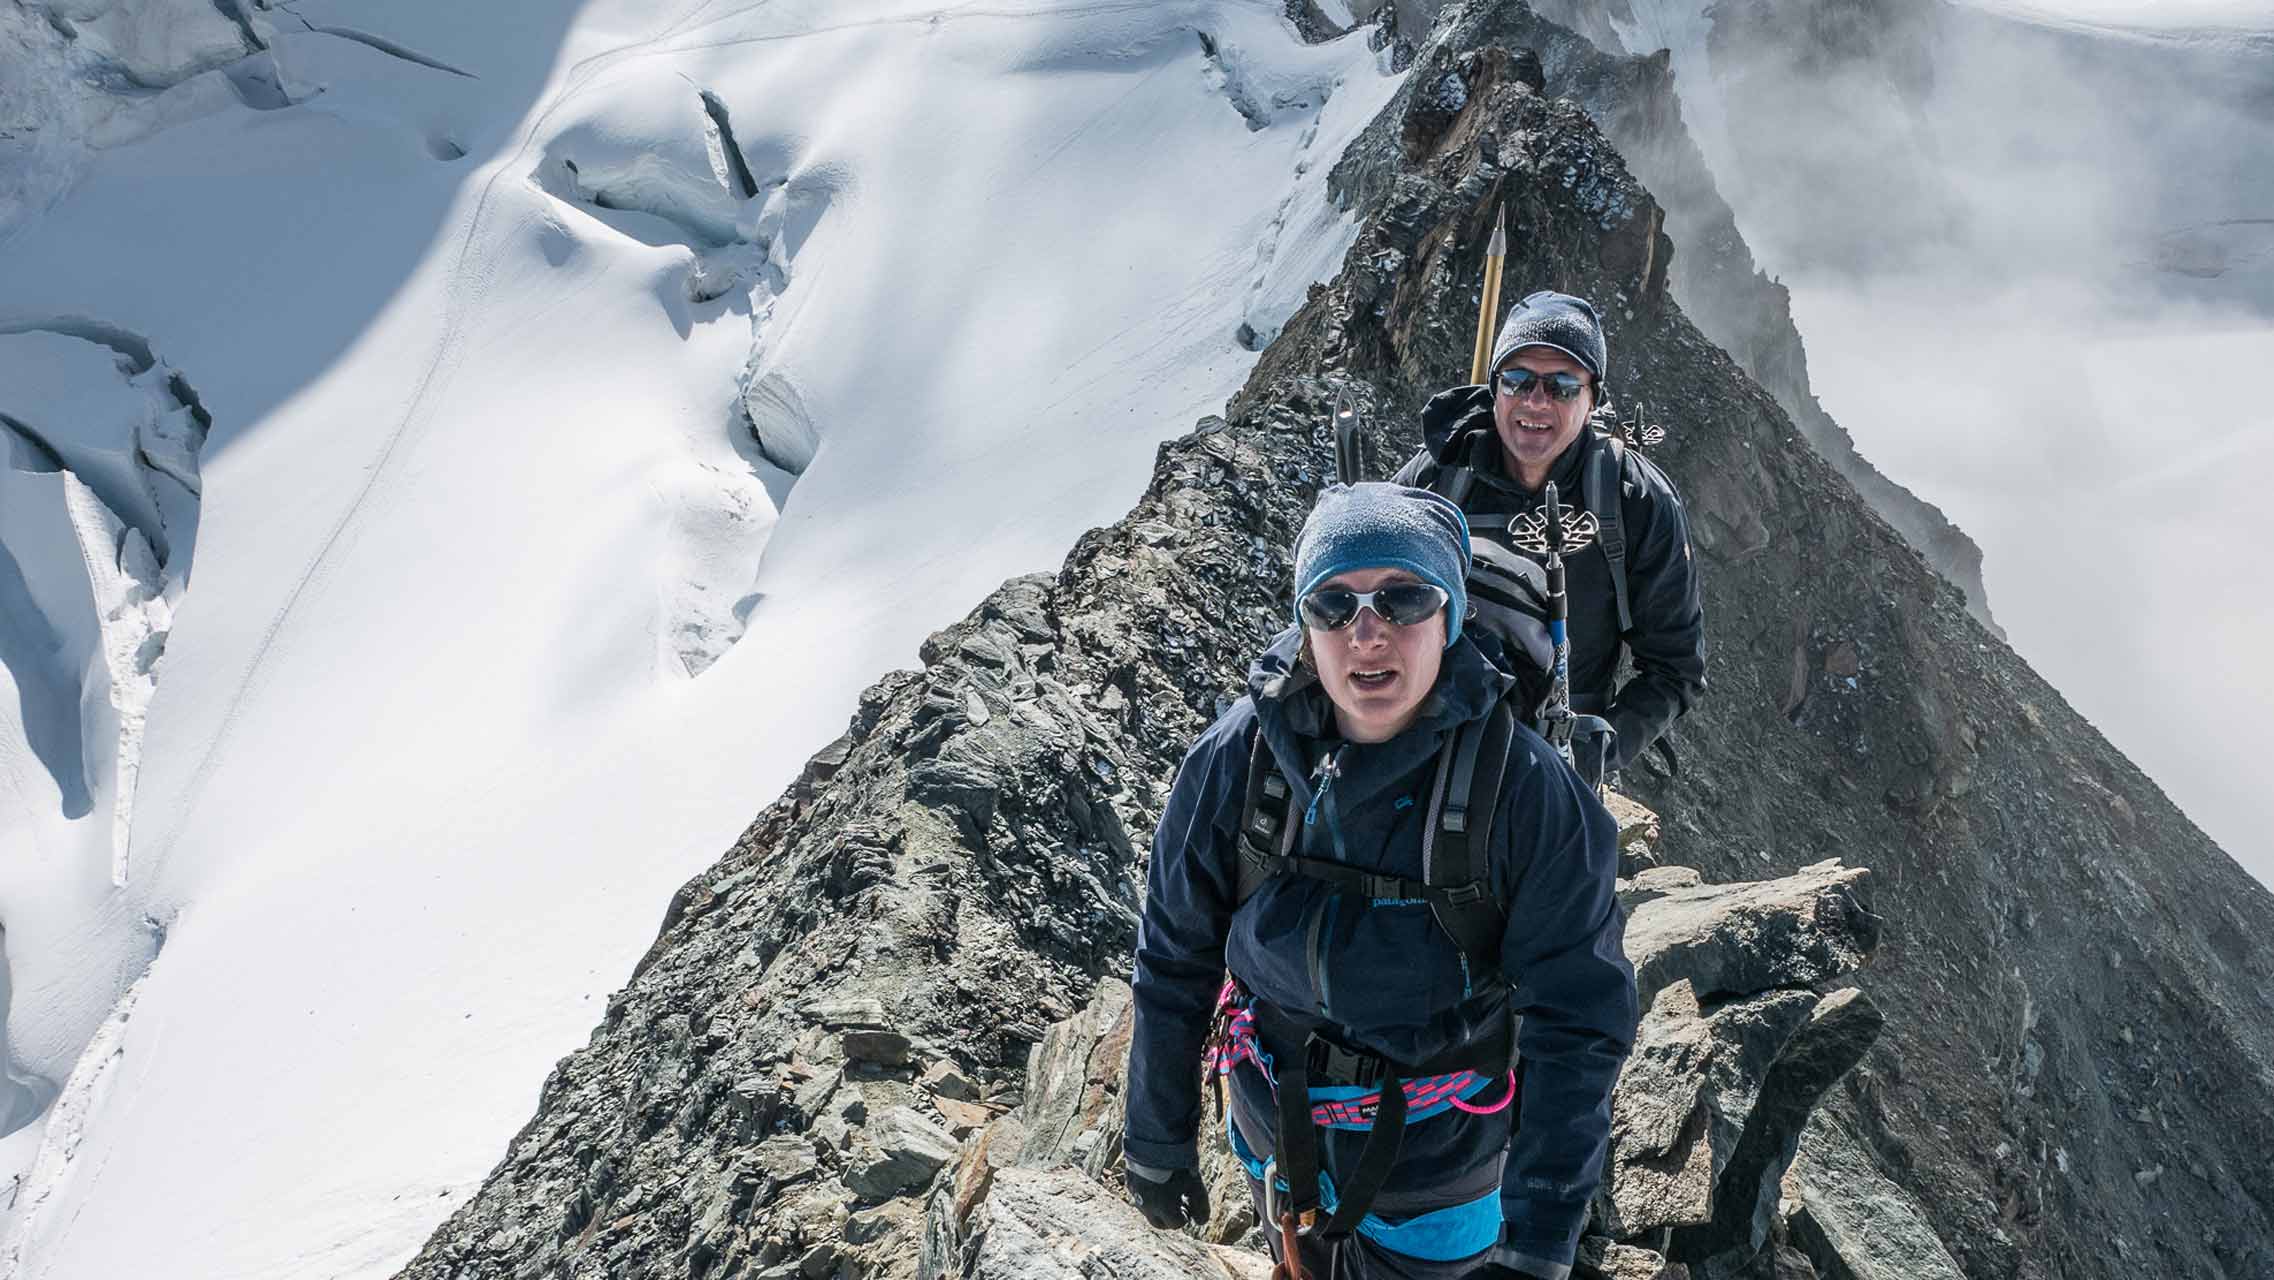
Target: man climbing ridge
[(1494, 448)]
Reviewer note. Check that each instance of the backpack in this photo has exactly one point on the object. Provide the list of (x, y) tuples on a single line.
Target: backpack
[(1601, 485), (1508, 590), (1456, 845)]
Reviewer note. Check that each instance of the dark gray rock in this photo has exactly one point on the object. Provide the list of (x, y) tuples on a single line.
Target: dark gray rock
[(946, 1080), (896, 1154), (1731, 939), (1855, 1224), (884, 1048), (1612, 1261), (1840, 1028)]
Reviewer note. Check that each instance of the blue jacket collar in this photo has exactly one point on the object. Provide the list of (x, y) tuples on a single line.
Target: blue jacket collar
[(1297, 721)]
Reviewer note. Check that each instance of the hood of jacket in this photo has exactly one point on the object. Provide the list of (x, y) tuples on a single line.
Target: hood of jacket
[(1297, 720), (1452, 413), (1456, 411)]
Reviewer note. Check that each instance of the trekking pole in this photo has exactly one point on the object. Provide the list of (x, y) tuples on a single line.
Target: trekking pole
[(1495, 257), (1549, 533), (1349, 464)]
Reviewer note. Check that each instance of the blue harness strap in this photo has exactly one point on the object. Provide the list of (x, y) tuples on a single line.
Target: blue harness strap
[(1441, 1235)]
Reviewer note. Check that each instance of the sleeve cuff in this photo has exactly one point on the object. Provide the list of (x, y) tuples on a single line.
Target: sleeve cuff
[(1149, 1173), (1546, 1231), (1531, 1264), (1160, 1155)]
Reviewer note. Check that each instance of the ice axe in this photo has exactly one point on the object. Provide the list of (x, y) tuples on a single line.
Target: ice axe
[(1495, 257), (1349, 461)]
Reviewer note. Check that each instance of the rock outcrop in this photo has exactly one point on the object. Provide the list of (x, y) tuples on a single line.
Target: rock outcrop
[(2073, 1075)]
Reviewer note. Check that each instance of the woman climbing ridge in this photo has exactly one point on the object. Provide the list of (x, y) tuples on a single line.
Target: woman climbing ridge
[(1382, 910)]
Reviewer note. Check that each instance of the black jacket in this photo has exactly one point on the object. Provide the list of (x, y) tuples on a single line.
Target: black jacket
[(1667, 640)]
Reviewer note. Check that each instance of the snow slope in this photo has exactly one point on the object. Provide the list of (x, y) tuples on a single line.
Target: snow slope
[(2030, 245), (565, 413)]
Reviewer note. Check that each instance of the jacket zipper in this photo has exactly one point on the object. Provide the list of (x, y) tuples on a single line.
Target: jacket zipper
[(1321, 933)]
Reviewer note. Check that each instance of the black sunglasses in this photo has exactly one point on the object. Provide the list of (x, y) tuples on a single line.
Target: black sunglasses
[(1560, 385), (1401, 604)]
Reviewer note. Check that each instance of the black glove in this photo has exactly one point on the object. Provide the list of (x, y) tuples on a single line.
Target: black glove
[(1169, 1200)]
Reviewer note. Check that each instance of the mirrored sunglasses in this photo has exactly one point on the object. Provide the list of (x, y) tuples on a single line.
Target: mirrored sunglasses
[(1401, 604)]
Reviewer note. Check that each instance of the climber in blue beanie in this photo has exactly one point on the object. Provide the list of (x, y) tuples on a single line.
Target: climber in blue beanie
[(1381, 910)]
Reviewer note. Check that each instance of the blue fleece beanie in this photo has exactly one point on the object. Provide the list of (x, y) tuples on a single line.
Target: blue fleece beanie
[(1386, 526)]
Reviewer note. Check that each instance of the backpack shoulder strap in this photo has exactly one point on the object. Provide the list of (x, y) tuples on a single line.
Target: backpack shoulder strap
[(1604, 486), (1263, 820), (1456, 471), (1456, 858)]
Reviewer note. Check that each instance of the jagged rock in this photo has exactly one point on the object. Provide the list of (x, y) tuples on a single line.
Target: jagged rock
[(964, 778), (1613, 1261), (1074, 1081), (896, 1154), (1056, 1224), (842, 1116), (1660, 1171), (1713, 1097), (962, 1117), (946, 1080), (1854, 1224), (1736, 938), (1656, 882), (1839, 1029), (860, 1011), (1638, 833), (884, 1048)]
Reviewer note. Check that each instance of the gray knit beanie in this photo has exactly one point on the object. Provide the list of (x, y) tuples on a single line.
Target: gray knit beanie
[(1551, 319)]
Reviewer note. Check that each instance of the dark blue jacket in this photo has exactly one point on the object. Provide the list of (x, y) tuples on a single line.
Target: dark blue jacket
[(1386, 977)]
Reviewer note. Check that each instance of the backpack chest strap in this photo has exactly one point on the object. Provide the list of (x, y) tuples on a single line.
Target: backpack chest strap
[(1372, 884)]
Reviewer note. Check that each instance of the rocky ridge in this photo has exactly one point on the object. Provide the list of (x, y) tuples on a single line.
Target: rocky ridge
[(2073, 1075)]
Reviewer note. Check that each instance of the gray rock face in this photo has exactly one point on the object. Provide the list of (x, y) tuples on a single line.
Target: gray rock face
[(1060, 1225), (897, 1153), (1737, 939), (1747, 1185), (1854, 1224)]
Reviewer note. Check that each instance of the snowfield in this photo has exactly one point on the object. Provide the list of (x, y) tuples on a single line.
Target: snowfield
[(458, 467)]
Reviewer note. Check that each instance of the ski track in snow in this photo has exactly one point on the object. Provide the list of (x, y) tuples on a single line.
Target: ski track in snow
[(74, 1107), (489, 233)]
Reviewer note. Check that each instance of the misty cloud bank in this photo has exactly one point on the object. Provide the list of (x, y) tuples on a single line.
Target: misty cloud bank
[(2031, 251)]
